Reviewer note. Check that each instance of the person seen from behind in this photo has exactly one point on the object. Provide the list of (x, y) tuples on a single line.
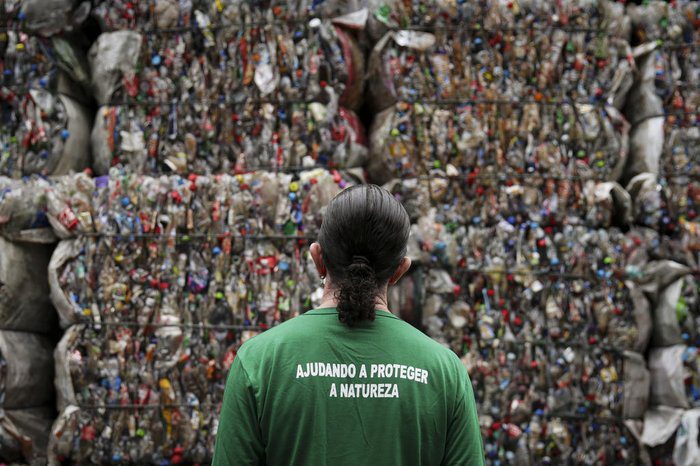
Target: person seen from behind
[(349, 383)]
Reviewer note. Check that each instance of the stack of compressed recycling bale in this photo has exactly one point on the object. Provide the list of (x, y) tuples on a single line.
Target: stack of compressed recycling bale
[(663, 182), (44, 130), (231, 92), (508, 117), (546, 153), (27, 322), (161, 279)]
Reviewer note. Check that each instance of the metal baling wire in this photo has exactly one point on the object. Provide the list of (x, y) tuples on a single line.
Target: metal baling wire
[(186, 236), (293, 21), (132, 324)]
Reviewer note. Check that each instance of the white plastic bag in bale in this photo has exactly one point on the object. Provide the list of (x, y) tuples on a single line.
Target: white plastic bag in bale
[(674, 376), (642, 316), (646, 144), (24, 290), (23, 210), (687, 449), (658, 274), (24, 434), (643, 101), (48, 135), (660, 423), (49, 17), (113, 58), (637, 383), (644, 109), (65, 302), (65, 392), (26, 378)]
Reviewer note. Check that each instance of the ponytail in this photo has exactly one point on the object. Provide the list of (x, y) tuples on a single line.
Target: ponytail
[(363, 239), (356, 292)]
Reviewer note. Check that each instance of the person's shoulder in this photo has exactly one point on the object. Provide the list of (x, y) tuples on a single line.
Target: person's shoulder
[(418, 341), (293, 329)]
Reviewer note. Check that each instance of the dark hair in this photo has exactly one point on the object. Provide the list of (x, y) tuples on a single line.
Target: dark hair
[(363, 239)]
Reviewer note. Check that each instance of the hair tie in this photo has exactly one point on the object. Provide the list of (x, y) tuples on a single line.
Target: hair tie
[(360, 260)]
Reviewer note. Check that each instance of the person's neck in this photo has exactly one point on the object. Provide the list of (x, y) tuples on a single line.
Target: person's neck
[(329, 300)]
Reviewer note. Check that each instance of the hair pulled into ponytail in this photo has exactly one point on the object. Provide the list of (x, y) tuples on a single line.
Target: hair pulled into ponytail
[(356, 292), (363, 239)]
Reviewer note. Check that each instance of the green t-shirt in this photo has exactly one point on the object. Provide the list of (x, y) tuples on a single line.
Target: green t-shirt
[(314, 392)]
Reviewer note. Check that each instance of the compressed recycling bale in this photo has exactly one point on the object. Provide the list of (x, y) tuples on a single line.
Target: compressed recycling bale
[(472, 64), (488, 200), (255, 203), (92, 282), (26, 379), (656, 19), (180, 397), (165, 14), (159, 14), (48, 134), (90, 278), (181, 138), (23, 210), (24, 434), (391, 14), (409, 140), (24, 290), (26, 65), (681, 150), (183, 435), (313, 61)]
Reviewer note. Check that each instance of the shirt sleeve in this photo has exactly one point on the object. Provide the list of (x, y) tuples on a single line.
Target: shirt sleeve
[(464, 446), (238, 437)]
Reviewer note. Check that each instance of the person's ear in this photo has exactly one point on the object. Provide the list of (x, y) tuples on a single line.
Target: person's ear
[(400, 270), (315, 250)]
